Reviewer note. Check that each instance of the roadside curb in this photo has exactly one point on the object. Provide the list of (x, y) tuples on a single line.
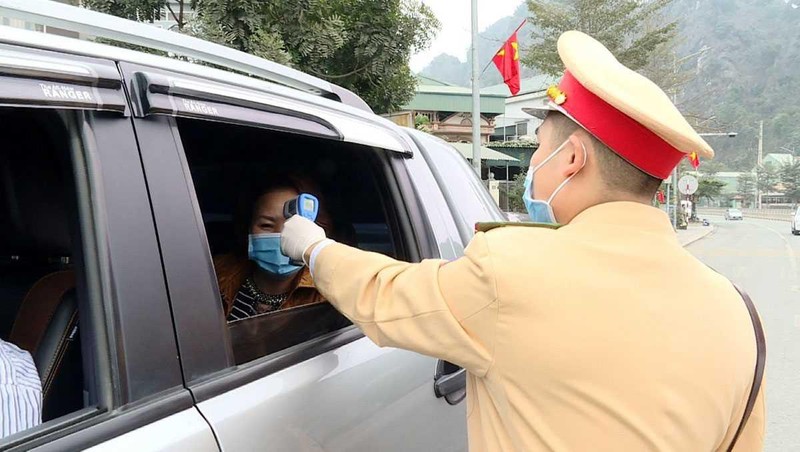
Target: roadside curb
[(708, 231)]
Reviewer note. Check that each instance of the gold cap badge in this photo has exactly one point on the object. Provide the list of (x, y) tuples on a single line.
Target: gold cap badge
[(556, 95)]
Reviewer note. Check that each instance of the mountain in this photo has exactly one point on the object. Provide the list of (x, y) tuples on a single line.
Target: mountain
[(749, 74), (750, 71)]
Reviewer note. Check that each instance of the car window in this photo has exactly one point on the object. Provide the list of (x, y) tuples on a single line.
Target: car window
[(242, 178), (47, 340)]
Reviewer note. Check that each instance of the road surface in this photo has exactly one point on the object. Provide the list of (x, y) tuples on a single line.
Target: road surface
[(762, 257)]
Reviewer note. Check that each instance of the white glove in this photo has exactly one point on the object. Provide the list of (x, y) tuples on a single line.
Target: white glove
[(298, 235)]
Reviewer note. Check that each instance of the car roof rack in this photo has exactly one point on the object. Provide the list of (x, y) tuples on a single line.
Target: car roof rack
[(93, 23)]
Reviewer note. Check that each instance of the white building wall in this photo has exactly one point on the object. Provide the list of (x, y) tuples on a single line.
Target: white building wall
[(514, 114)]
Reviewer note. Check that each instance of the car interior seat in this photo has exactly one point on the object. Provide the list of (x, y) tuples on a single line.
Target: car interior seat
[(36, 240)]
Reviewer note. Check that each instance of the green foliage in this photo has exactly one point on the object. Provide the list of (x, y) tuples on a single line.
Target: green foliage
[(515, 190), (766, 178), (142, 10), (421, 122), (623, 26), (522, 143), (746, 187), (138, 10), (712, 167), (709, 188), (362, 45), (790, 180)]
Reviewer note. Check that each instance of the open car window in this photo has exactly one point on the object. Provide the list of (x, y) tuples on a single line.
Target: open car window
[(234, 170)]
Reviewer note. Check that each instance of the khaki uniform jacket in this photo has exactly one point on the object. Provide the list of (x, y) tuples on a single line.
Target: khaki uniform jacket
[(604, 335)]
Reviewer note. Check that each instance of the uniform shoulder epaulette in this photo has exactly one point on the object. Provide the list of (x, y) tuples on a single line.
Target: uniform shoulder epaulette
[(489, 225)]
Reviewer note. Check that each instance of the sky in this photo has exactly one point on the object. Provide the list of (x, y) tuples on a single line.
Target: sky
[(454, 36)]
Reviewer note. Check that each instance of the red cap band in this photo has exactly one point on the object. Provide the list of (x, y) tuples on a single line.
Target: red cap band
[(629, 139)]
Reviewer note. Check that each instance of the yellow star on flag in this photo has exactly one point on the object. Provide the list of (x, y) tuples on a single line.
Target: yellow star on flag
[(515, 45)]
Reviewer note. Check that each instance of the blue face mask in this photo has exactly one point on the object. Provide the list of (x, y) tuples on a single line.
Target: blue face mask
[(265, 250), (539, 210)]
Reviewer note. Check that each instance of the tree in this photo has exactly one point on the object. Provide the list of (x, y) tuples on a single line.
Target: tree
[(711, 168), (515, 191), (421, 122), (766, 178), (746, 187), (143, 10), (790, 180), (709, 188), (361, 45), (623, 26)]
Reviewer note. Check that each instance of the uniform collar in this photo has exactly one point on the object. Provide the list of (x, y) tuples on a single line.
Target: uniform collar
[(624, 214)]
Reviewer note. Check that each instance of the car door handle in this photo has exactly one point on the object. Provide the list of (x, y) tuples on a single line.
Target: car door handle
[(450, 382)]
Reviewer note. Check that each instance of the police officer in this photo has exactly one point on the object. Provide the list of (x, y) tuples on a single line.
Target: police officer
[(575, 338)]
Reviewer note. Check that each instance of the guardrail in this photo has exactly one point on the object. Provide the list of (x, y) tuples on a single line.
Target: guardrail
[(763, 214)]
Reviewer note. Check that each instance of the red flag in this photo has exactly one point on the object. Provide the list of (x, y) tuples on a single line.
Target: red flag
[(507, 62), (694, 160)]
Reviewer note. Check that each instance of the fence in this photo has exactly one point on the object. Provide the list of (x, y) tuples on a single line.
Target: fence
[(764, 214)]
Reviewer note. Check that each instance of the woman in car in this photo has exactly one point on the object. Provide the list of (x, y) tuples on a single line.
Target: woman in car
[(257, 278)]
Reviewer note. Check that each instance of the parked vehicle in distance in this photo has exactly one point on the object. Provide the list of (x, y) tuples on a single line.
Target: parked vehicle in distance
[(733, 214)]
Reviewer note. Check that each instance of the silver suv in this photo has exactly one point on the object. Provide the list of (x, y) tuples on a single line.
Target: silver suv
[(121, 175)]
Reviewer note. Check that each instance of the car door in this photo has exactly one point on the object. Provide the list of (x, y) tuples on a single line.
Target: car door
[(75, 208), (337, 391), (455, 200)]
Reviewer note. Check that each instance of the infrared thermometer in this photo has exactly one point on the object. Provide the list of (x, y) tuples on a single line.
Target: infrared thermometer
[(305, 205)]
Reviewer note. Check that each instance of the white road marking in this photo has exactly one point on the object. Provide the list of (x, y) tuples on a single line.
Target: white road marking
[(789, 249)]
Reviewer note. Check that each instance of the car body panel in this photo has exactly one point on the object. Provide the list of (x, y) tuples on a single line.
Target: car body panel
[(186, 430), (358, 397)]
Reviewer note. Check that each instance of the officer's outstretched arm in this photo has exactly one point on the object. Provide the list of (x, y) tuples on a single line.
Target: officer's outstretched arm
[(443, 309)]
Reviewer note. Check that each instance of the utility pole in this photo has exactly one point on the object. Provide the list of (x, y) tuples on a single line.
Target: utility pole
[(476, 94), (760, 143), (674, 170), (675, 62), (759, 160)]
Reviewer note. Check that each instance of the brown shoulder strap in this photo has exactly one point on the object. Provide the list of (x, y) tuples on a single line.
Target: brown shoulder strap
[(761, 348), (38, 307), (489, 225)]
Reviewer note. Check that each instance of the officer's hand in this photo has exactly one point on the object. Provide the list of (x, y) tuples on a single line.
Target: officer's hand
[(298, 235)]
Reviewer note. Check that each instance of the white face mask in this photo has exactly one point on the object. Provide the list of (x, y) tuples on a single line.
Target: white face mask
[(539, 210)]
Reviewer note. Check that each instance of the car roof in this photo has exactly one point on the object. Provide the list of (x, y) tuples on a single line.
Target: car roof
[(281, 80)]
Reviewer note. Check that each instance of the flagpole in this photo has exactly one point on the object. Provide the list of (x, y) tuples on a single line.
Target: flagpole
[(490, 61), (476, 99)]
